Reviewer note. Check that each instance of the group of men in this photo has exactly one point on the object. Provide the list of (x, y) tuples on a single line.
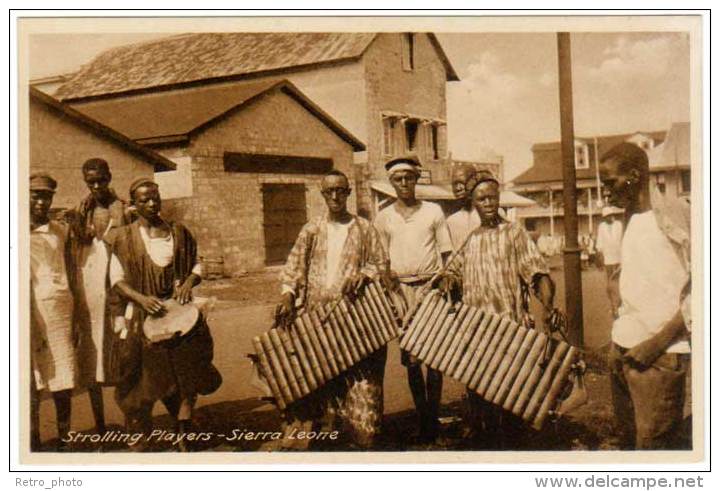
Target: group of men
[(95, 276), (493, 264), (486, 259)]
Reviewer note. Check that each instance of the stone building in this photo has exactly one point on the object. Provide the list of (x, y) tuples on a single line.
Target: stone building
[(387, 89), (62, 139), (250, 157), (668, 154)]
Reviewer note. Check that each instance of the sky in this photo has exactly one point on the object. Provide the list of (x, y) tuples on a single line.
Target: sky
[(507, 96)]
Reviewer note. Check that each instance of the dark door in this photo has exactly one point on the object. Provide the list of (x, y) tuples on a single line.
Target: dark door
[(284, 214)]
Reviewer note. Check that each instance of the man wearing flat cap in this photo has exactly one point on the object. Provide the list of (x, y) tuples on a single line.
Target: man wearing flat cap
[(52, 331), (93, 222), (417, 239), (495, 268)]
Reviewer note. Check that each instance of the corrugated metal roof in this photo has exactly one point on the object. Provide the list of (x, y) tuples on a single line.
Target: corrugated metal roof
[(180, 112), (197, 57)]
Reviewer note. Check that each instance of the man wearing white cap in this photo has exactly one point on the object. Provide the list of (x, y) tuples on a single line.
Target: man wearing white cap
[(417, 239), (609, 241)]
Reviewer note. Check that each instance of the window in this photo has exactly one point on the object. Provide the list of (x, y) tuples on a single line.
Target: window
[(582, 160), (411, 134), (685, 181), (388, 132), (660, 181), (434, 141), (408, 51)]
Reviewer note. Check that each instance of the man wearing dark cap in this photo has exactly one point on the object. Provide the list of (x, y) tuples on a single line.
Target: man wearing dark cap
[(650, 351), (152, 262), (417, 239), (93, 221), (52, 332), (497, 264)]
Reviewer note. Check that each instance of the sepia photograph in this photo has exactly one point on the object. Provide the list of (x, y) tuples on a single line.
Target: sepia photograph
[(308, 238)]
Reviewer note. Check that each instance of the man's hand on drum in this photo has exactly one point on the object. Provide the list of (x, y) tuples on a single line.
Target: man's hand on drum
[(183, 292), (151, 305), (285, 310)]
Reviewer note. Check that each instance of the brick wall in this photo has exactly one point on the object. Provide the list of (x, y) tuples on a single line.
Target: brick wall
[(60, 145), (389, 87), (225, 212)]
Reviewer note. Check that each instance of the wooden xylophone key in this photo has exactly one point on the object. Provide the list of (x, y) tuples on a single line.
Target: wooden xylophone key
[(427, 307), (364, 347), (541, 389), (384, 309), (339, 335), (498, 394), (496, 354), (366, 324), (529, 387), (310, 349), (276, 368), (388, 306), (476, 346), (509, 354), (327, 328), (361, 324), (437, 351), (285, 365), (525, 371), (326, 351), (267, 372), (435, 321), (377, 323), (350, 339), (379, 320), (455, 351), (559, 383), (438, 331), (304, 358)]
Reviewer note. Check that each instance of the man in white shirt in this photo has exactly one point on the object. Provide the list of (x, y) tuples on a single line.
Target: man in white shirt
[(417, 239), (650, 350), (610, 232), (333, 255)]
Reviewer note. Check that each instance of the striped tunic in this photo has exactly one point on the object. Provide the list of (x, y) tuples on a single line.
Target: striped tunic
[(493, 265)]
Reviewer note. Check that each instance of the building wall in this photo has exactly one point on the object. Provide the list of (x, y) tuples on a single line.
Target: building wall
[(389, 87), (60, 145), (225, 213)]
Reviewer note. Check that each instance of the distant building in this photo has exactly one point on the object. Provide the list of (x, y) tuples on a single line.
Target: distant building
[(387, 89), (62, 139), (668, 152)]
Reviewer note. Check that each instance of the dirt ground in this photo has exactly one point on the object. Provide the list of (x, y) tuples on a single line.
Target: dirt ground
[(244, 309)]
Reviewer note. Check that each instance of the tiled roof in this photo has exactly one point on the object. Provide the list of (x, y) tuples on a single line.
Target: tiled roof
[(547, 160), (159, 162), (198, 57), (173, 115)]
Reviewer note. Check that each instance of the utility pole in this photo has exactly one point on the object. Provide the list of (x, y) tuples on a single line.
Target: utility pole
[(571, 254)]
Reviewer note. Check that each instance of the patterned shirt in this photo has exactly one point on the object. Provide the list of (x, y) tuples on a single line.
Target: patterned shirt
[(494, 264), (306, 268)]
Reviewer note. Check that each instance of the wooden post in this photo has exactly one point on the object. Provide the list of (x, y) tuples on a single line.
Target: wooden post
[(573, 284)]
